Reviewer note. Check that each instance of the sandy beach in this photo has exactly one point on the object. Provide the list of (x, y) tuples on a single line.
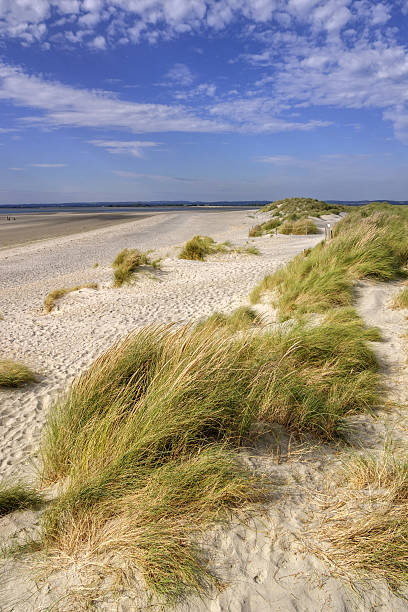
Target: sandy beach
[(268, 564)]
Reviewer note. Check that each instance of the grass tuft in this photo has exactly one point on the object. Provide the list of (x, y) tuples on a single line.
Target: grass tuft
[(55, 295), (18, 497), (128, 261), (240, 319), (401, 299), (15, 374), (300, 227)]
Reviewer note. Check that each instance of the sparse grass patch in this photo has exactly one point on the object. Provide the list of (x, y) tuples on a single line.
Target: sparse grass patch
[(401, 299), (128, 261), (18, 497), (199, 247), (372, 536), (15, 374), (240, 319), (56, 294)]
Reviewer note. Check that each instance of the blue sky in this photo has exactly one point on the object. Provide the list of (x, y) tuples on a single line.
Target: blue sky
[(203, 99)]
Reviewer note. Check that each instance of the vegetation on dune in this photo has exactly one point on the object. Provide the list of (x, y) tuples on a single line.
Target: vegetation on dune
[(401, 299), (145, 439), (128, 262), (298, 228), (241, 318), (18, 497), (199, 247), (56, 294), (373, 536), (15, 374), (290, 216), (373, 246)]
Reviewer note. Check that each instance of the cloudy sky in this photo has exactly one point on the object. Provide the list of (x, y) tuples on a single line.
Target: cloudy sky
[(203, 99)]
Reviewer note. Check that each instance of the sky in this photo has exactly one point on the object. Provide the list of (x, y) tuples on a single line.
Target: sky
[(113, 100)]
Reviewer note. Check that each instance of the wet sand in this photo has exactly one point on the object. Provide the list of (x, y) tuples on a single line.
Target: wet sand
[(31, 227)]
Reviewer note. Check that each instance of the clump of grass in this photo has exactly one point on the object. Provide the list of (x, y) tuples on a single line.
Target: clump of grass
[(255, 231), (372, 246), (56, 294), (18, 497), (199, 247), (240, 319), (15, 374), (299, 227), (128, 261), (373, 538), (401, 299)]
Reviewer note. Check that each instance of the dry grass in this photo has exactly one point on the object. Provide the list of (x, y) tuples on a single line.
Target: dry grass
[(18, 496), (15, 374), (240, 319), (199, 247), (371, 534), (401, 299), (128, 262), (53, 296), (300, 227)]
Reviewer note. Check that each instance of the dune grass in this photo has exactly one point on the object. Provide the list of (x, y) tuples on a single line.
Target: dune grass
[(127, 263), (372, 246), (199, 247), (300, 227), (301, 207), (373, 537), (145, 440), (401, 300), (15, 374), (56, 294), (18, 496), (240, 319)]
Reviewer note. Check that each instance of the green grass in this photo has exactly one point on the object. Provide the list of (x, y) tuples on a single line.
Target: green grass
[(366, 244), (15, 374), (301, 207), (300, 227), (145, 441), (56, 294), (200, 247), (401, 299), (240, 319), (18, 497), (128, 262)]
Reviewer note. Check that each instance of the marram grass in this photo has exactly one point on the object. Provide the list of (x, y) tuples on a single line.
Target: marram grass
[(18, 496), (15, 374), (56, 294), (128, 261)]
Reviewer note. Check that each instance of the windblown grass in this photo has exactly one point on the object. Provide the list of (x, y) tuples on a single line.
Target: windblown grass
[(401, 299), (127, 263), (18, 497), (301, 207), (373, 537), (373, 246), (300, 227), (53, 296), (199, 247), (15, 374), (240, 319)]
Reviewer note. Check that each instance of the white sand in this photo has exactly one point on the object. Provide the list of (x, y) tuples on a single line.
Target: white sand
[(269, 565)]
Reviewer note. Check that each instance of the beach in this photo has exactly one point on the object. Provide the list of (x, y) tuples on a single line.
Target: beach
[(265, 561)]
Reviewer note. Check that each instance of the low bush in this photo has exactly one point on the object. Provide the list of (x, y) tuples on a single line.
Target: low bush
[(15, 374), (57, 294)]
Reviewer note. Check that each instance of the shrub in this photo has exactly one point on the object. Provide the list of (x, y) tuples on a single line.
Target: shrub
[(55, 295), (14, 374)]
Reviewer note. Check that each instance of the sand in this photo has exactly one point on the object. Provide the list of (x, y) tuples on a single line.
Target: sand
[(270, 564), (22, 228)]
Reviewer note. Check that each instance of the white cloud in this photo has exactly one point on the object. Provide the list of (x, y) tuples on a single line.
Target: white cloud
[(16, 169), (180, 74), (154, 177), (48, 165), (120, 147)]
